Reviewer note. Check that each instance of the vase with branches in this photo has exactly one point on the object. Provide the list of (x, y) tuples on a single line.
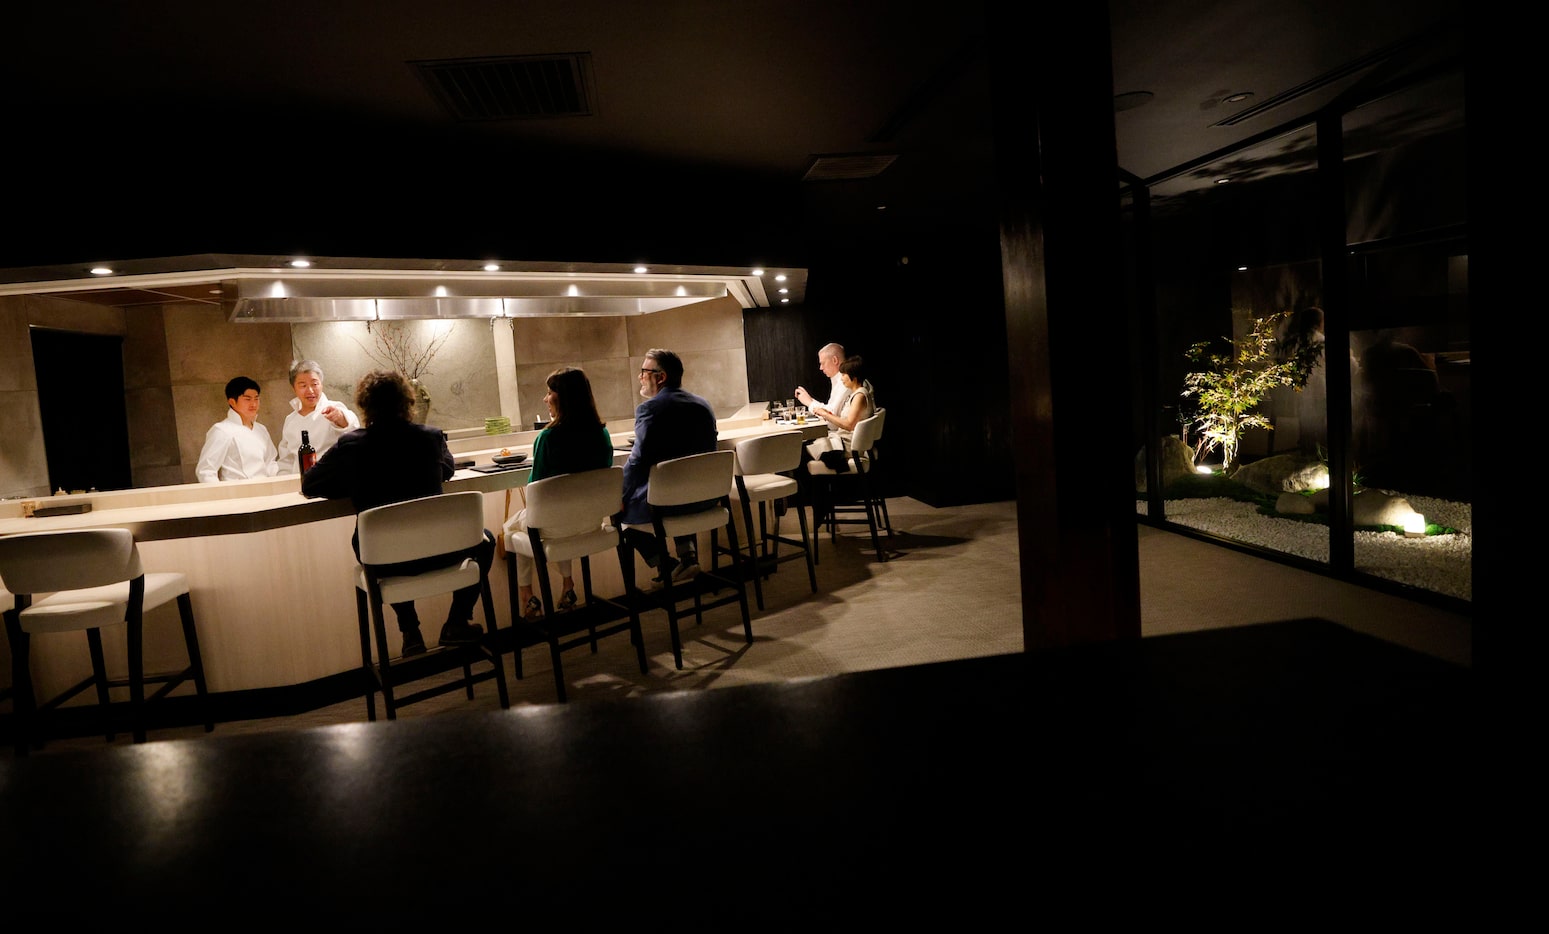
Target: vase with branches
[(396, 346)]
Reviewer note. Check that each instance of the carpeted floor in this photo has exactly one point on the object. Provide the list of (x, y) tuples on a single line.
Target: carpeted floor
[(950, 591)]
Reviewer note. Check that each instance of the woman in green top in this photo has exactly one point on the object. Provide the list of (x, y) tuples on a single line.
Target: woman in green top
[(576, 439)]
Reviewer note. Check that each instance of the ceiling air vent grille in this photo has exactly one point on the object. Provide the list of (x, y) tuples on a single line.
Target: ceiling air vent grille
[(855, 165), (511, 87)]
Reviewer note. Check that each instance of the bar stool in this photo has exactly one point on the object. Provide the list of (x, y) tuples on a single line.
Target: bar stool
[(568, 517), (93, 578), (764, 475), (863, 504), (447, 525), (6, 602), (674, 491), (876, 467)]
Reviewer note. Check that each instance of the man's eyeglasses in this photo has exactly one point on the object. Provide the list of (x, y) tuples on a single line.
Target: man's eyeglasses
[(646, 369)]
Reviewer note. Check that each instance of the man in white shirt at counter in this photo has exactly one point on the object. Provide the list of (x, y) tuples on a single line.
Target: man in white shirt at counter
[(238, 447), (313, 412), (829, 358)]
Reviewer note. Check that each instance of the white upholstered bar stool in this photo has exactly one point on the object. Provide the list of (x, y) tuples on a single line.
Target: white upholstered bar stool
[(674, 492), (429, 527), (572, 517), (850, 496), (6, 602), (765, 475), (876, 471), (83, 580)]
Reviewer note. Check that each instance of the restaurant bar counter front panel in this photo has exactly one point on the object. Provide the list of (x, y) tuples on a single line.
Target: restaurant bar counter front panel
[(271, 572)]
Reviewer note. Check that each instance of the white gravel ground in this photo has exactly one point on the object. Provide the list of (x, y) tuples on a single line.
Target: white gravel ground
[(1439, 563)]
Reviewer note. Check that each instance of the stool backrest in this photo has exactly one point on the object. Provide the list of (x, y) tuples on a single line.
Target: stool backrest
[(571, 513), (867, 432), (46, 562), (692, 479), (773, 453), (420, 528)]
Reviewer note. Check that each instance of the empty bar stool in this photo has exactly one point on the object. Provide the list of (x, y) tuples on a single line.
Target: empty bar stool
[(765, 475), (447, 525), (573, 516), (681, 484), (852, 496), (92, 578)]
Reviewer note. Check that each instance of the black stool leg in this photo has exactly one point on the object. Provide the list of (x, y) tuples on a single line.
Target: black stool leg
[(137, 679), (21, 682), (185, 608), (99, 670)]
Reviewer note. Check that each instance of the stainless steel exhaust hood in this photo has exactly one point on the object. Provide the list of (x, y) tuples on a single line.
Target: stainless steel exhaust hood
[(285, 297)]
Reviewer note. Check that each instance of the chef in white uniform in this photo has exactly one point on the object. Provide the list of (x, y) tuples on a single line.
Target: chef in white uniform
[(313, 412), (238, 447)]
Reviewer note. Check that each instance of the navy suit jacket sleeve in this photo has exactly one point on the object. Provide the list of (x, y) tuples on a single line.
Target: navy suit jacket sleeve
[(637, 470)]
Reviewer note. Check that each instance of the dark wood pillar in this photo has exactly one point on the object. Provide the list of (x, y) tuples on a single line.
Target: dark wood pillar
[(1067, 325), (1334, 251)]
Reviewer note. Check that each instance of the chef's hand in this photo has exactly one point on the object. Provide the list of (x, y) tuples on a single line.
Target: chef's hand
[(335, 414), (803, 396)]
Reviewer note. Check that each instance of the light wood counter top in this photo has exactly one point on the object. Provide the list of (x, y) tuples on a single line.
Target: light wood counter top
[(271, 571)]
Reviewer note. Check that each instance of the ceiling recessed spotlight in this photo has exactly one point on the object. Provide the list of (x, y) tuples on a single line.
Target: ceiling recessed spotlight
[(491, 267), (1237, 98), (1222, 181), (882, 207), (780, 277), (215, 291), (783, 291), (101, 271), (300, 263), (640, 269), (757, 272), (573, 292), (1242, 268), (441, 291), (784, 300)]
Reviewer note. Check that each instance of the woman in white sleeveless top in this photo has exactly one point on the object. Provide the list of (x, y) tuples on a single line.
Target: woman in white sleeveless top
[(859, 406)]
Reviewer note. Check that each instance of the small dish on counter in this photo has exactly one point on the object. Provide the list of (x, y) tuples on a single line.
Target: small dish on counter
[(509, 460)]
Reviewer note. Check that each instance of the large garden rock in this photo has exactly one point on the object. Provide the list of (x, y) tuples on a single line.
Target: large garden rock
[(1284, 473), (1177, 461), (1372, 507), (1295, 504)]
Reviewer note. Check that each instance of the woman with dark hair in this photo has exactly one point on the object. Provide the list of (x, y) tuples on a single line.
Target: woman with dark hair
[(575, 439), (390, 460), (857, 407), (841, 427)]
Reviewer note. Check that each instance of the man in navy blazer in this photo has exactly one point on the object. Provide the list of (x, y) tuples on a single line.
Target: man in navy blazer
[(671, 422)]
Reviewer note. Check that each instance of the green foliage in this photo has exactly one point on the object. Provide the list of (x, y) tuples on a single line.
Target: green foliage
[(1229, 388)]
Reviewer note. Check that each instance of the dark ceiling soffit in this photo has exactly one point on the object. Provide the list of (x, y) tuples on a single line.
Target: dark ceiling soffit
[(511, 87), (1416, 43), (1341, 105), (955, 67)]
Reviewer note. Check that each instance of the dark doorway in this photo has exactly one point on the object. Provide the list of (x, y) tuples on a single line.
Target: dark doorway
[(81, 400)]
